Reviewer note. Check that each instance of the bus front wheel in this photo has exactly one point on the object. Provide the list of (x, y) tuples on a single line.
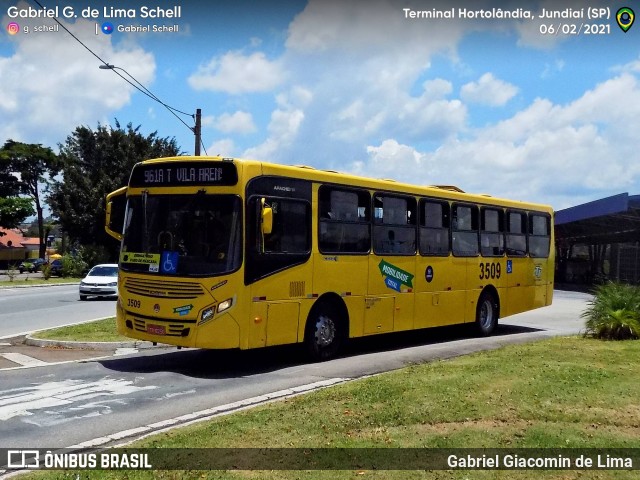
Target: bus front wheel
[(323, 335), (486, 314)]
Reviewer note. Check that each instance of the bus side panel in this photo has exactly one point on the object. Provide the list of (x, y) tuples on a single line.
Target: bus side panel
[(282, 323), (275, 311), (392, 276), (356, 308), (257, 326), (520, 286), (541, 280), (345, 275), (378, 315), (484, 272), (440, 294), (223, 332), (340, 274)]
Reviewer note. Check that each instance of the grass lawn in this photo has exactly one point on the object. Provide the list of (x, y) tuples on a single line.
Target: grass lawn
[(98, 331), (569, 392)]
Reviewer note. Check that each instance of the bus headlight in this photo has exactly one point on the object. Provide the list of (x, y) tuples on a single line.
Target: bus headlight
[(222, 306), (207, 313)]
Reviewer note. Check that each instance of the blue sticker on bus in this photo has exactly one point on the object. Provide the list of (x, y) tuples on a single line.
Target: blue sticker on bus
[(509, 266), (428, 274), (391, 283), (169, 262)]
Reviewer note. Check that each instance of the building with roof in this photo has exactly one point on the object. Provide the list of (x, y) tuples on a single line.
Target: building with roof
[(15, 247), (599, 240)]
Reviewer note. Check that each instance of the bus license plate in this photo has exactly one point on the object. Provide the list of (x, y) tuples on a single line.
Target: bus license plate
[(156, 329)]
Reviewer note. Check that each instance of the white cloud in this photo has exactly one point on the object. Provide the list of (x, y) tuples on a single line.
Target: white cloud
[(488, 90), (284, 126), (361, 61), (631, 67), (558, 154), (283, 129), (51, 87), (391, 157), (237, 122), (235, 73), (224, 147), (372, 27)]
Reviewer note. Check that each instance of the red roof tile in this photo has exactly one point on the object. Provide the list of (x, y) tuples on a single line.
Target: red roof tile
[(15, 237)]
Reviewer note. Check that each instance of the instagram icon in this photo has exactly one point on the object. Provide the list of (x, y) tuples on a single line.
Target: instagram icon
[(13, 28)]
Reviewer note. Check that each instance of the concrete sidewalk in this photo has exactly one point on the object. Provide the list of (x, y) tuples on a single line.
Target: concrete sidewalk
[(25, 351)]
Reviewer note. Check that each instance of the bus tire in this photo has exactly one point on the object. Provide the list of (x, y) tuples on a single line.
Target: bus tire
[(323, 333), (486, 314)]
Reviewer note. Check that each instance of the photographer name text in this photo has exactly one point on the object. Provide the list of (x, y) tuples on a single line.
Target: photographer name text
[(90, 12)]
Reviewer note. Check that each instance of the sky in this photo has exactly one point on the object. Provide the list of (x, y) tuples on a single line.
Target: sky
[(535, 109)]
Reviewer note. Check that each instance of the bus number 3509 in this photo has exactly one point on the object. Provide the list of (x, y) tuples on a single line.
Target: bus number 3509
[(489, 270)]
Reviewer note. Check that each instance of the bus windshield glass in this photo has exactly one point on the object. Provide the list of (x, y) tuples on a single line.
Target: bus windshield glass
[(184, 235)]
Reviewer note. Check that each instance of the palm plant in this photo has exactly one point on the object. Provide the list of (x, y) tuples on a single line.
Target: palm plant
[(614, 312)]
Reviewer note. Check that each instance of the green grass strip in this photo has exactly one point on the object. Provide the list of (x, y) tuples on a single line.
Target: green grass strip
[(569, 392), (98, 331)]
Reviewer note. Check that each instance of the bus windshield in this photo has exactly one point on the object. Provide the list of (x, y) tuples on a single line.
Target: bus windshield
[(195, 235)]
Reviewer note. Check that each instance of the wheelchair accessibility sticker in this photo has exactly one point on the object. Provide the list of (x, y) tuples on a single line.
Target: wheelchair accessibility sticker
[(169, 262)]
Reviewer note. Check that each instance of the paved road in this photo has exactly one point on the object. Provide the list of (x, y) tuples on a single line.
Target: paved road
[(35, 308), (104, 401)]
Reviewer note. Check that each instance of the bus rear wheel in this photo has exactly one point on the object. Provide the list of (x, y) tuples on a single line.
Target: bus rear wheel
[(486, 314), (323, 335)]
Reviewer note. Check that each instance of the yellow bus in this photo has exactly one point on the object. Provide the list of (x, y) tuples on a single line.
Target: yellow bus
[(225, 253)]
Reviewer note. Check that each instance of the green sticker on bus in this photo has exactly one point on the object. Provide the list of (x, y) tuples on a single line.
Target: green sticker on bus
[(394, 273)]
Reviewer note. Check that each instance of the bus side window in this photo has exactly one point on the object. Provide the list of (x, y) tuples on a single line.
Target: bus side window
[(290, 232), (539, 235), (394, 224), (491, 232), (464, 231), (516, 234), (343, 223), (434, 228)]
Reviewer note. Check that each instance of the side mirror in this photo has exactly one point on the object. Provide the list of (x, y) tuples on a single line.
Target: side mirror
[(266, 216), (114, 215)]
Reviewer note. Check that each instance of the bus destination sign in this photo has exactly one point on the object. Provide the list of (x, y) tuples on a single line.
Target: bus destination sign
[(184, 174)]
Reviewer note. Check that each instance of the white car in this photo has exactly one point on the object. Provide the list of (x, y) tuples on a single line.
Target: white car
[(101, 281)]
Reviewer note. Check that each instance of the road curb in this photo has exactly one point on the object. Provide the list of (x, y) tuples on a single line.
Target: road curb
[(38, 342)]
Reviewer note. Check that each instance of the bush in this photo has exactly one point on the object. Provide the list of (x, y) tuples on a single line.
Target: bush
[(73, 265), (12, 271), (46, 271), (614, 312)]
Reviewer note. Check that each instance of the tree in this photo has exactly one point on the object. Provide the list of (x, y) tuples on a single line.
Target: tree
[(28, 168), (13, 211), (94, 163)]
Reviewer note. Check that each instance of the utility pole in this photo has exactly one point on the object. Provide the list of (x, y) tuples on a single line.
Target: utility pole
[(196, 131)]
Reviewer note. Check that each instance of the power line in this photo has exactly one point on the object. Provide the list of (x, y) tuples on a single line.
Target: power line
[(137, 85)]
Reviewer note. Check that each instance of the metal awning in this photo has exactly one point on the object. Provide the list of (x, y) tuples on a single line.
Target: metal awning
[(613, 219)]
